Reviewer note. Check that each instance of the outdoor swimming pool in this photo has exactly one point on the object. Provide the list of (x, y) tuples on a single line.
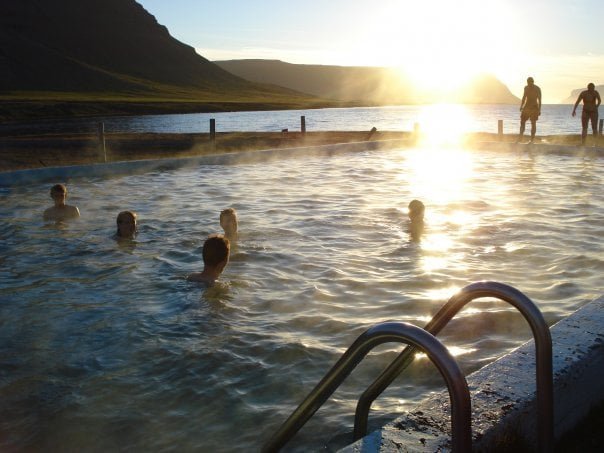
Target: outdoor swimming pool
[(105, 346)]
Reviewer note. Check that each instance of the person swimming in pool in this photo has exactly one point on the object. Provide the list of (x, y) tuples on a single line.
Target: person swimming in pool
[(60, 211), (126, 225), (216, 250), (416, 219), (228, 222)]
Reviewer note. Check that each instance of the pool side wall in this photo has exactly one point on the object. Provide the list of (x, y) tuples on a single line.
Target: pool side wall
[(63, 174), (504, 398), (58, 174)]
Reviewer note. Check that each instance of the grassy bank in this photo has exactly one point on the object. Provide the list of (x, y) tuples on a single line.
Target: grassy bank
[(49, 150), (24, 106)]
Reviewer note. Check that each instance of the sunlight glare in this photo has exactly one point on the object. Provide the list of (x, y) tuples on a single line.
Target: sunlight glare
[(438, 175), (440, 45), (442, 124), (455, 351), (437, 242), (442, 293)]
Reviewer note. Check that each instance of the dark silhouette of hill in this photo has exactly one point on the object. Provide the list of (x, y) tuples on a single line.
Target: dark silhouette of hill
[(87, 44), (113, 56), (375, 85), (574, 94)]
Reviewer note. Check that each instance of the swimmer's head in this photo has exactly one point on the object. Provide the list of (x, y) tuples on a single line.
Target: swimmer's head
[(126, 224), (58, 193), (530, 81), (216, 250), (58, 189), (228, 221), (591, 86), (416, 210)]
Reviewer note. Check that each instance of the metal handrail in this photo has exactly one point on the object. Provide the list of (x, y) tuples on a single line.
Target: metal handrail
[(461, 433), (543, 344)]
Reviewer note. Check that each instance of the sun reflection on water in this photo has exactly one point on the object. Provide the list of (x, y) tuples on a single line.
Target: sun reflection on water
[(441, 294), (443, 124), (440, 176), (455, 351)]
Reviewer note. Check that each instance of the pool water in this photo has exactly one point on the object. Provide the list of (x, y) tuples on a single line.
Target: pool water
[(105, 346)]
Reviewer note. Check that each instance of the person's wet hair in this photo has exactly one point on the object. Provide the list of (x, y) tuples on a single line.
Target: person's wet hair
[(228, 212), (58, 189), (125, 217), (416, 210), (215, 250)]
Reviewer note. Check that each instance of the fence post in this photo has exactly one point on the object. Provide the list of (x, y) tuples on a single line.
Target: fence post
[(500, 129), (212, 129), (303, 124), (102, 141)]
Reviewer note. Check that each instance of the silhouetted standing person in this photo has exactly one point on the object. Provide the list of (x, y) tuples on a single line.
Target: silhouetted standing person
[(591, 101), (530, 107)]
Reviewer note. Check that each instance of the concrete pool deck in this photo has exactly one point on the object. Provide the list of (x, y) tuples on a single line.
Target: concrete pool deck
[(503, 395)]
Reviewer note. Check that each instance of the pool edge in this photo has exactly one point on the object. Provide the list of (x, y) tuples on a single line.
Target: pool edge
[(503, 395), (19, 177), (27, 176)]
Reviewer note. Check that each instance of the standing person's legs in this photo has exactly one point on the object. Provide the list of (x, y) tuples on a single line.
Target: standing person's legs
[(584, 124), (523, 119), (594, 123), (533, 128), (594, 126)]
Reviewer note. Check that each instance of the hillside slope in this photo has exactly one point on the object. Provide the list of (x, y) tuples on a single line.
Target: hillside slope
[(108, 55), (86, 44), (373, 85)]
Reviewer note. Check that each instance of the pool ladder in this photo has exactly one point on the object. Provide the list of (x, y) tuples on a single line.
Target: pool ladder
[(425, 340)]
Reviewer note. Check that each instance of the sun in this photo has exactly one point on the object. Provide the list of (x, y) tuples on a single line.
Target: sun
[(439, 45)]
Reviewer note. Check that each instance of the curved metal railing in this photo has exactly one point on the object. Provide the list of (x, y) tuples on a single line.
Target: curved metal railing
[(543, 344), (461, 434)]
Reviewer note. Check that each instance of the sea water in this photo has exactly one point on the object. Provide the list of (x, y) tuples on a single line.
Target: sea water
[(555, 119), (105, 346)]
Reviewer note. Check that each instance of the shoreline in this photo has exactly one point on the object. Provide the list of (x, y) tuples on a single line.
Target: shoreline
[(18, 109), (24, 152)]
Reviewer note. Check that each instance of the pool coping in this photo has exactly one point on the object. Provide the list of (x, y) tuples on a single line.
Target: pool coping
[(503, 395), (65, 173)]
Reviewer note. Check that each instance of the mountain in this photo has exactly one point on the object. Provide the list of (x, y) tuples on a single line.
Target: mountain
[(574, 94), (76, 50), (84, 45), (347, 83), (374, 85)]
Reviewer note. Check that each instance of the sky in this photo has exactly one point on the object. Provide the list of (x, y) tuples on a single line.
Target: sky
[(560, 43)]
